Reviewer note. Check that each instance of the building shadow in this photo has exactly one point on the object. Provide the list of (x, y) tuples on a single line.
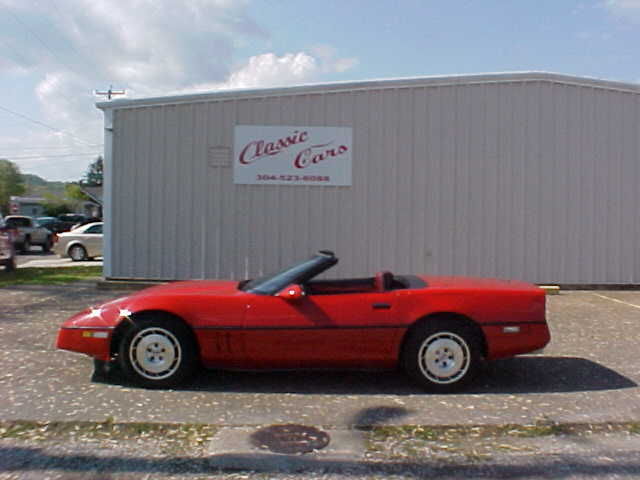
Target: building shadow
[(20, 461)]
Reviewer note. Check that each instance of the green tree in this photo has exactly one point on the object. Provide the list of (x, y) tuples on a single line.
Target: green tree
[(54, 206), (10, 184), (93, 177), (72, 191)]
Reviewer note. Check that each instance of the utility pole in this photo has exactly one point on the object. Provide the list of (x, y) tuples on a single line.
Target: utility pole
[(110, 93)]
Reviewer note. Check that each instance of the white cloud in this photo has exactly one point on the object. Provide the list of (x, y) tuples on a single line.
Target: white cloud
[(629, 9), (269, 70), (624, 4), (330, 60), (266, 70), (148, 47)]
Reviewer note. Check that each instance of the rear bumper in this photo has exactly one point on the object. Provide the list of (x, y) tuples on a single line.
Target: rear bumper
[(509, 339)]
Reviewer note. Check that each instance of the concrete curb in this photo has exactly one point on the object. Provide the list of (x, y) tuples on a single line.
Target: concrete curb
[(108, 284)]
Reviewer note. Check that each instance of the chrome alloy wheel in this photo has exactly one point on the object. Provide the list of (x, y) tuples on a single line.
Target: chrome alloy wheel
[(155, 353), (77, 253), (444, 357)]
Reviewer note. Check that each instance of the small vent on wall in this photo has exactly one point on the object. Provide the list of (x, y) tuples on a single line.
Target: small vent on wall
[(219, 156)]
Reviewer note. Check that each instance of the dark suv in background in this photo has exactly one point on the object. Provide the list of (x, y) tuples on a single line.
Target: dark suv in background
[(69, 220)]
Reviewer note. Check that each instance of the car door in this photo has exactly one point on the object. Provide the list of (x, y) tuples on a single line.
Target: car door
[(35, 232), (92, 240), (336, 330)]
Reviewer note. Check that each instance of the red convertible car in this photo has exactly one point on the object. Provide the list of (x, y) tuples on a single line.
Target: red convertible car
[(438, 329)]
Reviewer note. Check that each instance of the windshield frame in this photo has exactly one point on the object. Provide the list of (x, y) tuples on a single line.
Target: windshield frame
[(298, 273)]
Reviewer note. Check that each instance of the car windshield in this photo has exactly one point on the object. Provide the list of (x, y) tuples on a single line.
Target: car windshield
[(42, 222), (298, 273), (17, 222)]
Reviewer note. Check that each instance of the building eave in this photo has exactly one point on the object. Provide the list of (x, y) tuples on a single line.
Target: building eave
[(389, 83)]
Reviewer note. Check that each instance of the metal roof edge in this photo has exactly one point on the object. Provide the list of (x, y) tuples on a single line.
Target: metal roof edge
[(386, 83)]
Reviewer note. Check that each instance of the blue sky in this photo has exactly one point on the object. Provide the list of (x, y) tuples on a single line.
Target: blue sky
[(53, 53)]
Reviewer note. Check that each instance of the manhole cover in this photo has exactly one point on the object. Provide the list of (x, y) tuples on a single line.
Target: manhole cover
[(290, 438)]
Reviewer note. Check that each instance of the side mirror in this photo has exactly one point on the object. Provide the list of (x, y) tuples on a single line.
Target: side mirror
[(291, 293)]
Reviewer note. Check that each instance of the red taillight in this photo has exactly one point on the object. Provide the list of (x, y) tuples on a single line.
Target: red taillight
[(54, 237)]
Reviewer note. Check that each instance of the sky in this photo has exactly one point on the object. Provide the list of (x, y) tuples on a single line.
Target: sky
[(55, 53)]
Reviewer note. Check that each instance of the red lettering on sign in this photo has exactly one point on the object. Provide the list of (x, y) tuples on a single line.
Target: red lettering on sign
[(257, 149), (316, 154)]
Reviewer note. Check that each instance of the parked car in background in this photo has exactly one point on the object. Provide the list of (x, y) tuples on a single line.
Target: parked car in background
[(82, 243), (51, 223), (86, 221), (7, 252), (70, 219), (28, 233)]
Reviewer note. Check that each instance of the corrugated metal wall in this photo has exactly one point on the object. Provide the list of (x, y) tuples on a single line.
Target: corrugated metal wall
[(536, 180)]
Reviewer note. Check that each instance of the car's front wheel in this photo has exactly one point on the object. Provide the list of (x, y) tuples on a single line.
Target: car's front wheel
[(77, 253), (158, 351), (443, 355)]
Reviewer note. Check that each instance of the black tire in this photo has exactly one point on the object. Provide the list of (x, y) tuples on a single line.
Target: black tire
[(77, 253), (10, 265), (103, 370), (158, 351), (47, 245), (443, 355), (26, 245)]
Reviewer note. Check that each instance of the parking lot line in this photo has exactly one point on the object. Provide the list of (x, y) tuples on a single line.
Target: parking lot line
[(617, 301)]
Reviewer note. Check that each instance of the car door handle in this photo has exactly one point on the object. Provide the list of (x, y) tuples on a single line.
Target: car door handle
[(381, 306)]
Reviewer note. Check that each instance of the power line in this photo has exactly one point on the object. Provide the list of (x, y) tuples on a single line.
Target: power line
[(54, 156), (15, 52), (83, 57), (57, 130), (57, 162), (44, 148), (42, 42)]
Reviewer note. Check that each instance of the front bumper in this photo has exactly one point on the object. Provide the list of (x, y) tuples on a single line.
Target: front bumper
[(93, 341)]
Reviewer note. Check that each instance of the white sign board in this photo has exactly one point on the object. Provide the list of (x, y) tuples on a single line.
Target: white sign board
[(277, 155)]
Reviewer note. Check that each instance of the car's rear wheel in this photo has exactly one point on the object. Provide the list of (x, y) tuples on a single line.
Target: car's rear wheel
[(47, 245), (77, 253), (443, 355), (158, 351), (26, 245), (10, 264)]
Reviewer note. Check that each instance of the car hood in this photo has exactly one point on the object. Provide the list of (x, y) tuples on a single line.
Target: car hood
[(210, 287), (476, 283), (161, 297)]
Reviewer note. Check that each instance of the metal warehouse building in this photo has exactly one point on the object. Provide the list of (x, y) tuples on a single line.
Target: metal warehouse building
[(532, 176)]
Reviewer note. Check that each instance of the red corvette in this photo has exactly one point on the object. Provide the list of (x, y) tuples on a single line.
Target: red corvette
[(438, 329)]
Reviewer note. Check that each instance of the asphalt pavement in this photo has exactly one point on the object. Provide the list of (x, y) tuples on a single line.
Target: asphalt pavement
[(38, 258), (589, 373)]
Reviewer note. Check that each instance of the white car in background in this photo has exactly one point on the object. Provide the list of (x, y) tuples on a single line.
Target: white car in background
[(81, 243)]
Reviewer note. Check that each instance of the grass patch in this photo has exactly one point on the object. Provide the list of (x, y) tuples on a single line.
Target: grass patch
[(475, 443), (48, 276), (173, 438)]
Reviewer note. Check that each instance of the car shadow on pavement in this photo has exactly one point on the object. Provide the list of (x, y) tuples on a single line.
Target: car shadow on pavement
[(532, 374), (538, 374)]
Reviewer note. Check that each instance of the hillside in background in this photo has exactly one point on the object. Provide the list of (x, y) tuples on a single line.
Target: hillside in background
[(38, 187)]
